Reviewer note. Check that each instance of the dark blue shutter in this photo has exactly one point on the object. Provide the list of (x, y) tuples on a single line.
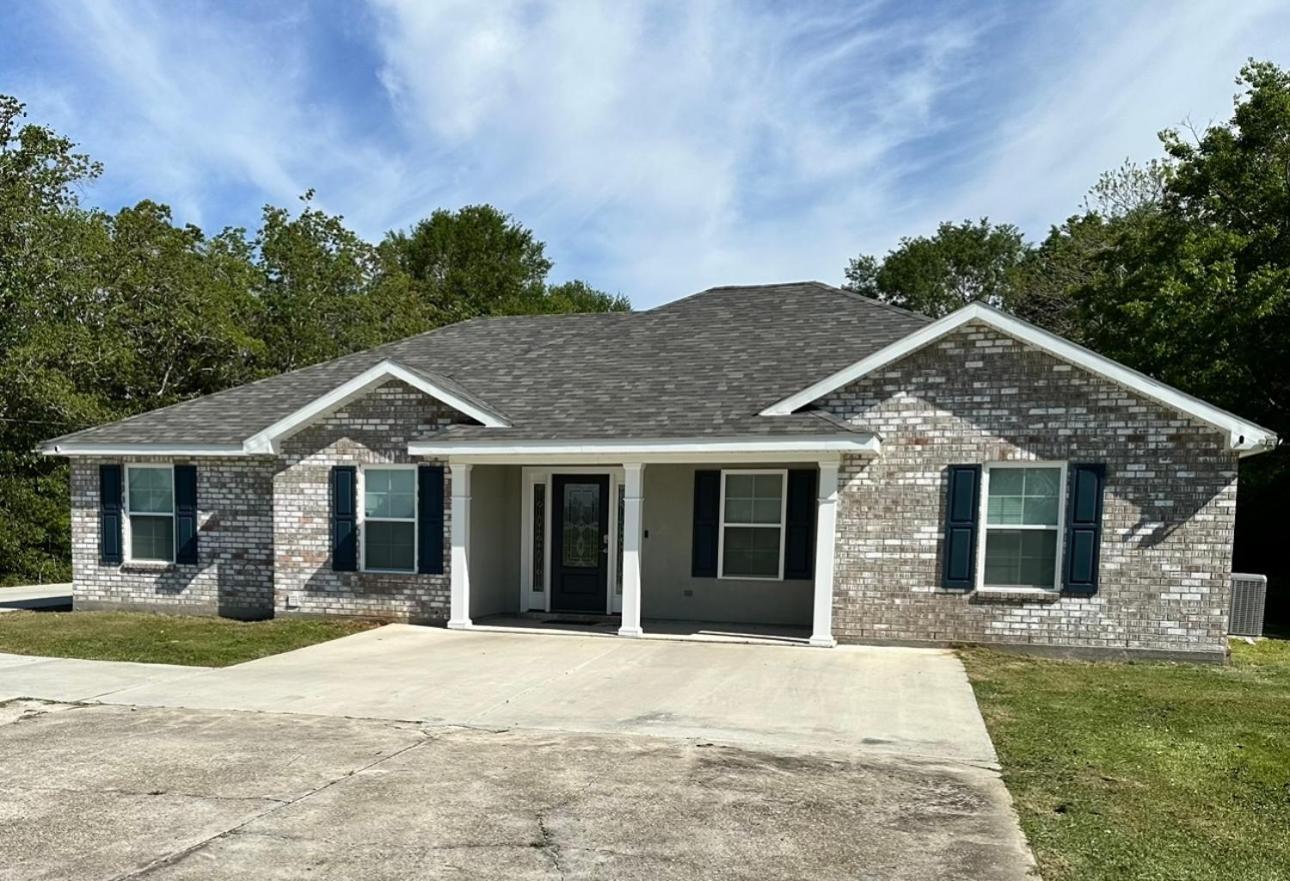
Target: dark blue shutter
[(962, 507), (110, 513), (344, 518), (1083, 528), (799, 543), (185, 513), (707, 524), (430, 519)]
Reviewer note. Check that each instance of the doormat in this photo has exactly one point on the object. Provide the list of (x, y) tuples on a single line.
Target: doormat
[(574, 622)]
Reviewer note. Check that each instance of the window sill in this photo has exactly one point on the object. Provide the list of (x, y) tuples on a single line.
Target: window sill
[(147, 566), (1028, 594)]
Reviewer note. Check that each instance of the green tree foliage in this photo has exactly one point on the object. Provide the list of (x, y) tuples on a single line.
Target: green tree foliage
[(935, 275), (107, 315), (480, 261)]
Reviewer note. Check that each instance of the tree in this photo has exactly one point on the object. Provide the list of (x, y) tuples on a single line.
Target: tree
[(314, 277), (960, 264), (474, 261), (106, 315), (39, 220), (479, 261), (578, 296)]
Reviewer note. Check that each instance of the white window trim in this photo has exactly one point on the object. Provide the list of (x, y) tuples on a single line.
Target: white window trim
[(127, 555), (783, 529), (983, 528), (362, 517)]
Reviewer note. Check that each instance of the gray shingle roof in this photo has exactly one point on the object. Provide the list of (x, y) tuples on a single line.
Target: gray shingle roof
[(701, 366)]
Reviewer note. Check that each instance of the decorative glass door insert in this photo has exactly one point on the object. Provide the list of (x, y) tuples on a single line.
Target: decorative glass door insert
[(581, 526)]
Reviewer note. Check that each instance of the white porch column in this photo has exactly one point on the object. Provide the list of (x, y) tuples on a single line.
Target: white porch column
[(826, 521), (633, 498), (460, 612)]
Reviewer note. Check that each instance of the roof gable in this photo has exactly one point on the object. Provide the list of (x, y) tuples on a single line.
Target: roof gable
[(702, 366), (1243, 435), (439, 387)]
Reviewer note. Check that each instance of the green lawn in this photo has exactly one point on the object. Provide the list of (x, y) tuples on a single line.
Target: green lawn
[(1146, 771), (161, 639)]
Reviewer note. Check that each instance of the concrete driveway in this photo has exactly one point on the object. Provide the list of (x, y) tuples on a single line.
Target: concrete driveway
[(412, 752), (848, 699)]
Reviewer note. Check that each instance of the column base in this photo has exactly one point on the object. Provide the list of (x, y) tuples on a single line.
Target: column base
[(633, 632), (823, 642), (459, 624)]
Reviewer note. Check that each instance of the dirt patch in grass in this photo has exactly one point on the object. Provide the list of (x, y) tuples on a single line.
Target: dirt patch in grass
[(1146, 771), (162, 639)]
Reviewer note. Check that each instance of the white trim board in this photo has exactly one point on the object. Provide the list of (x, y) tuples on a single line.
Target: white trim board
[(144, 449), (717, 449), (1244, 436), (267, 441)]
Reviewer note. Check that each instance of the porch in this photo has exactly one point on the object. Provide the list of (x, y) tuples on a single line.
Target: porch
[(652, 628), (736, 550)]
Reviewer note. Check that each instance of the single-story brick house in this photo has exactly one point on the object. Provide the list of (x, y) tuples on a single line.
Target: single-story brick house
[(786, 454)]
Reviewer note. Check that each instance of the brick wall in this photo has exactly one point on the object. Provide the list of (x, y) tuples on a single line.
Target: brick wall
[(234, 572), (372, 430), (978, 396)]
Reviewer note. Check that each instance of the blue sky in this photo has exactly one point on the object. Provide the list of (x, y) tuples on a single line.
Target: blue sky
[(657, 148)]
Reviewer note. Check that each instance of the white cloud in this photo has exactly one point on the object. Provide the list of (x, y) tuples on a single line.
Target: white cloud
[(656, 147), (672, 146), (186, 105), (1106, 82)]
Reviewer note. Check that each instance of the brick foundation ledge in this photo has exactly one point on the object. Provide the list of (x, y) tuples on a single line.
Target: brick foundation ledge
[(1062, 652)]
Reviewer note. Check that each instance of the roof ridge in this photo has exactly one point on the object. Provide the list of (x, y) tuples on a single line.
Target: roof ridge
[(873, 301), (733, 287)]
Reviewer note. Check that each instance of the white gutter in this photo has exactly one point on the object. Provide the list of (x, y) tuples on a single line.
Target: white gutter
[(749, 449), (143, 449)]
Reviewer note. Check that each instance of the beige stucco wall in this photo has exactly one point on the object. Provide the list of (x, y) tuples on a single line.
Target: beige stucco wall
[(494, 539), (669, 591)]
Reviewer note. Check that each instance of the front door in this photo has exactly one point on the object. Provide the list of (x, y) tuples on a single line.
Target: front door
[(580, 543)]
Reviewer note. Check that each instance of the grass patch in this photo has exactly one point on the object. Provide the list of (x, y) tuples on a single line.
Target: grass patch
[(162, 639), (1146, 771)]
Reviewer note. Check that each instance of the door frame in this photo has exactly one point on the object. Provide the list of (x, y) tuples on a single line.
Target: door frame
[(533, 475)]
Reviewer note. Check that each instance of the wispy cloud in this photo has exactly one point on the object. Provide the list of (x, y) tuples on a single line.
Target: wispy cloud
[(657, 147)]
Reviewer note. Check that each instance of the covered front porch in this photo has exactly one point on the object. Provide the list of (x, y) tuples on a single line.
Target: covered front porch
[(716, 544)]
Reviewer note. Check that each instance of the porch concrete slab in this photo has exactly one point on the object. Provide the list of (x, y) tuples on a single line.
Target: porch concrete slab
[(850, 699), (71, 679), (99, 792)]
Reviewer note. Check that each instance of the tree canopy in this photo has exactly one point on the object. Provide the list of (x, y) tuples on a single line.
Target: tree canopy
[(105, 315)]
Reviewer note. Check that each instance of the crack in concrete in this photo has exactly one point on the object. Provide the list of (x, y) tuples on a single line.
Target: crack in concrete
[(174, 857), (113, 790), (547, 844)]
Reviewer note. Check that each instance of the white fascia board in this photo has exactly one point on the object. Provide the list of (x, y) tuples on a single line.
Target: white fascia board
[(73, 448), (267, 440), (801, 449), (1244, 436)]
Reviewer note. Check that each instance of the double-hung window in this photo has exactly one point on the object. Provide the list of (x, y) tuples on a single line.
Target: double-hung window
[(752, 524), (1022, 525), (150, 512), (389, 530)]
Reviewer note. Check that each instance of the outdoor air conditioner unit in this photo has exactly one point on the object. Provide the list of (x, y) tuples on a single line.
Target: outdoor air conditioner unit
[(1249, 593)]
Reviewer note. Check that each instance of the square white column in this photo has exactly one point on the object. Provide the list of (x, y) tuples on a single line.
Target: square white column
[(633, 500), (460, 611), (826, 521)]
